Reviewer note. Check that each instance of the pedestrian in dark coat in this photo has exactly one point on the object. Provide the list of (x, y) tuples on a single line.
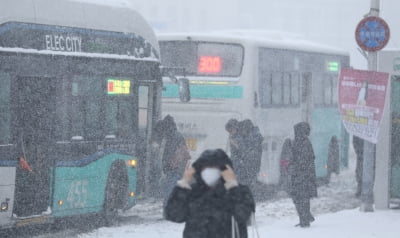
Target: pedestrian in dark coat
[(250, 147), (333, 157), (286, 157), (302, 172), (208, 196), (232, 127), (358, 145), (174, 154)]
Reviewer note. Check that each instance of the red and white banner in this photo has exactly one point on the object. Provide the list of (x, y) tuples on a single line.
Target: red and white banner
[(361, 101)]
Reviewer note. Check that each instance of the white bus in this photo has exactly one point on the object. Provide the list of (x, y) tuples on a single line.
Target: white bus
[(274, 79)]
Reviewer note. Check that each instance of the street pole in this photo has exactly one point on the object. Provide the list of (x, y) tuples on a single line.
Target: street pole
[(367, 194)]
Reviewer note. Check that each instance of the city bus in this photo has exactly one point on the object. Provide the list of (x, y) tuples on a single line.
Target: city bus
[(274, 79), (80, 90)]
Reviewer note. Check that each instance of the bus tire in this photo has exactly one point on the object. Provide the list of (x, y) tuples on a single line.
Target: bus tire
[(116, 194)]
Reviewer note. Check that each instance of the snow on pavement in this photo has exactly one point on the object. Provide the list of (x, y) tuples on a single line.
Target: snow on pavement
[(336, 212)]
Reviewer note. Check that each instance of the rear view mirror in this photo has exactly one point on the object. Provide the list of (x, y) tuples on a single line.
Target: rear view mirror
[(184, 89)]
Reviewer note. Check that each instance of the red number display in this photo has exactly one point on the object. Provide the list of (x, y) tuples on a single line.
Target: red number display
[(210, 64)]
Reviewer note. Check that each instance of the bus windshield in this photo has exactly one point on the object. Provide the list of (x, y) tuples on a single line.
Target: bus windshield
[(203, 58)]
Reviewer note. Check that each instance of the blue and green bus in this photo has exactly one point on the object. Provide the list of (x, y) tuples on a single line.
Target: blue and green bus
[(80, 91), (275, 79)]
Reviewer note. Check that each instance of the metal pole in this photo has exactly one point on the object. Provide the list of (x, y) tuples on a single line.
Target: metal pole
[(367, 194)]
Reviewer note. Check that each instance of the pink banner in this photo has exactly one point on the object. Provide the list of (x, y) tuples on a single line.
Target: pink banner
[(361, 101)]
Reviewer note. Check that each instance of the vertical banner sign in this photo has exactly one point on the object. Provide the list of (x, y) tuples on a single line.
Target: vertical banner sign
[(361, 101)]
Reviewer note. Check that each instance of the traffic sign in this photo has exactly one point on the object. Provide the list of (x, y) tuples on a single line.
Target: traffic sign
[(372, 34)]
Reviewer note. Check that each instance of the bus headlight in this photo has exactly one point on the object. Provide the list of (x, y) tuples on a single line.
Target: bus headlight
[(4, 206), (60, 202), (132, 163), (131, 194)]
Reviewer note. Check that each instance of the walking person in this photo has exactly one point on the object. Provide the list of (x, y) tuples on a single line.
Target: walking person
[(175, 154), (210, 200), (358, 145), (285, 158), (333, 158), (250, 150), (232, 127), (303, 185)]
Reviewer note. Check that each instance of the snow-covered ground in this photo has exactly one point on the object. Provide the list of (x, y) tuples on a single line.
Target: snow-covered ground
[(336, 212)]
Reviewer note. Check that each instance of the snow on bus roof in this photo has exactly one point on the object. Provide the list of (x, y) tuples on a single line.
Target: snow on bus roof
[(111, 3), (104, 15), (263, 38)]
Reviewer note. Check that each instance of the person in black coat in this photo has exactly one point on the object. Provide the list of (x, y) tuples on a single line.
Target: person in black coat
[(358, 145), (285, 158), (333, 158), (250, 146), (208, 203), (303, 185)]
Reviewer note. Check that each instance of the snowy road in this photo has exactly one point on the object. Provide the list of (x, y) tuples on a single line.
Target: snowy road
[(335, 210)]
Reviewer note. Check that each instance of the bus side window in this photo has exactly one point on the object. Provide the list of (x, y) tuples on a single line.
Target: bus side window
[(143, 106), (277, 94), (287, 83), (294, 89), (328, 87), (5, 115)]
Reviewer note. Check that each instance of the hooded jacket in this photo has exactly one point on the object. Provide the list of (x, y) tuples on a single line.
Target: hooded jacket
[(207, 211), (302, 164)]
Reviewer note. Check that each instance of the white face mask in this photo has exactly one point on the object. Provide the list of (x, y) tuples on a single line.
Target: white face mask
[(211, 176)]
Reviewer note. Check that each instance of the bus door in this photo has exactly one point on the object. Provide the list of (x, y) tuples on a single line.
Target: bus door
[(395, 140), (306, 97), (34, 112)]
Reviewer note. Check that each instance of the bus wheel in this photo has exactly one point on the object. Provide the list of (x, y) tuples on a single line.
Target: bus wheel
[(116, 194)]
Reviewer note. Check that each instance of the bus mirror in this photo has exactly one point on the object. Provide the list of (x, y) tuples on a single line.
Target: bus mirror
[(184, 89)]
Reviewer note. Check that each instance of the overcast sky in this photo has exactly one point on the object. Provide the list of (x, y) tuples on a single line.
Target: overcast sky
[(331, 22)]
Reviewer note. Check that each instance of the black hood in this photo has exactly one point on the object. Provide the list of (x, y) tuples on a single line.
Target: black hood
[(212, 158), (302, 129)]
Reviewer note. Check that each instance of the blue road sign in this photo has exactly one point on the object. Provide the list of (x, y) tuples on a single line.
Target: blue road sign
[(372, 34)]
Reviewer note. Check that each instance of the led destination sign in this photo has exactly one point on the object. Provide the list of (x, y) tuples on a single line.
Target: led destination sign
[(210, 64)]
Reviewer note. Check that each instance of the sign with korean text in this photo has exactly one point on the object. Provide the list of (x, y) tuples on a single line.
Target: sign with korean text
[(372, 34), (361, 101)]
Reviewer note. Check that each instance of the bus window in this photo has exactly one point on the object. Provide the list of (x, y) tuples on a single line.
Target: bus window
[(119, 109), (143, 106), (325, 90), (294, 90), (265, 88), (334, 90), (286, 88), (328, 90), (86, 94), (5, 108), (277, 88)]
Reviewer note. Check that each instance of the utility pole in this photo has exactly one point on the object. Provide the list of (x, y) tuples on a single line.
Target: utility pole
[(368, 172)]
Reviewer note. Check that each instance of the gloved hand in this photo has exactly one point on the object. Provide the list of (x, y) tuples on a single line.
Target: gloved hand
[(188, 173), (229, 177)]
